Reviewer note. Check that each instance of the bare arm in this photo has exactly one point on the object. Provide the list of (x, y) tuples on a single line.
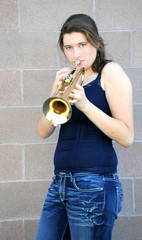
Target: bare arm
[(44, 128), (118, 91)]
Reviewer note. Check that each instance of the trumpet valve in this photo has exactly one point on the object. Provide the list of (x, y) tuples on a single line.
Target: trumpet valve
[(69, 79)]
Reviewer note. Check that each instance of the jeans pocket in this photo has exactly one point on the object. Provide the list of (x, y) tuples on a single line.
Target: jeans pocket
[(89, 199), (119, 192), (88, 183)]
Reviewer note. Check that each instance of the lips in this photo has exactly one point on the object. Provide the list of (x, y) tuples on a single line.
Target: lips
[(81, 63)]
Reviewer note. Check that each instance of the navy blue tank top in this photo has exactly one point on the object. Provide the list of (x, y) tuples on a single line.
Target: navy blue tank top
[(81, 146)]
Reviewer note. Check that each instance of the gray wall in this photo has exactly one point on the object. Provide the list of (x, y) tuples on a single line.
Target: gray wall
[(29, 59)]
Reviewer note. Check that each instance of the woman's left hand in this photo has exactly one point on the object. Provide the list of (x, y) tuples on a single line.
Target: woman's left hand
[(78, 97)]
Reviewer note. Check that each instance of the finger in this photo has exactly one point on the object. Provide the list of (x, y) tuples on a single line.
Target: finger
[(78, 86), (63, 70), (62, 73), (72, 101), (75, 96), (59, 82)]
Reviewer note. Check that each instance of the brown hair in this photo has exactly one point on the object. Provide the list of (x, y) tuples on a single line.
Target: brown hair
[(86, 25)]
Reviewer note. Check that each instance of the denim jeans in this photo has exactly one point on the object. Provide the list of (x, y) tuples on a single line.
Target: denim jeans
[(87, 203)]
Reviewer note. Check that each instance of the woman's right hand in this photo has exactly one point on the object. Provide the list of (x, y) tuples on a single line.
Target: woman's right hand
[(60, 76)]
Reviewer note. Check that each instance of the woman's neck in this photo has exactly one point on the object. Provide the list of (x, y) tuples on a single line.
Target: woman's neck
[(89, 76)]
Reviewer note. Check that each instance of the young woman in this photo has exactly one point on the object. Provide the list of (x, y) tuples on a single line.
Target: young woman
[(86, 194)]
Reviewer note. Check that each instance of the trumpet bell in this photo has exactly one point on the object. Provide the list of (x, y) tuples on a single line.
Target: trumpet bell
[(57, 110)]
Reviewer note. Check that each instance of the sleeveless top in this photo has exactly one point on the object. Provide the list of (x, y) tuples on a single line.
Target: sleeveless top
[(81, 146)]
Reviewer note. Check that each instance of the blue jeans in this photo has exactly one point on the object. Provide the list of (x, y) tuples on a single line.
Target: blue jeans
[(88, 203)]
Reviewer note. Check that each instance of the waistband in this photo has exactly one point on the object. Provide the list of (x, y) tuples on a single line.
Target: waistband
[(71, 175)]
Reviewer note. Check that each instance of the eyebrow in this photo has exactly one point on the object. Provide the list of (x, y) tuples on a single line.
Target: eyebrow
[(77, 44)]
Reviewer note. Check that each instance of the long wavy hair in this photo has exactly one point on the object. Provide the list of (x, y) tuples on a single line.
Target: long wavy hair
[(86, 25)]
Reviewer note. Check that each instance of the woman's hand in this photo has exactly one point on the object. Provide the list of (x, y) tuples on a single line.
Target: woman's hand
[(59, 79), (78, 97)]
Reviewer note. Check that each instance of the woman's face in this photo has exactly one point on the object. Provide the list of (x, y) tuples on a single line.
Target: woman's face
[(76, 46)]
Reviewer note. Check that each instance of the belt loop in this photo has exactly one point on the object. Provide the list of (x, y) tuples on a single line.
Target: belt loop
[(103, 177), (71, 176), (114, 175)]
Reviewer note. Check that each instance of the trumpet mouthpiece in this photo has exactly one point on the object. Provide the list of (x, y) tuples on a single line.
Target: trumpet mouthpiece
[(77, 62)]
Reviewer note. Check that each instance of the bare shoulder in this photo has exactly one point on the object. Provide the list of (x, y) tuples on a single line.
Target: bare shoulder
[(113, 73), (111, 66)]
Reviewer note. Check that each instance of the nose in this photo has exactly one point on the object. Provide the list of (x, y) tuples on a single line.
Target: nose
[(76, 53)]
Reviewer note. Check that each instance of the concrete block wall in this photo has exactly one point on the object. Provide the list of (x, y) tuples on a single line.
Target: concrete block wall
[(29, 58)]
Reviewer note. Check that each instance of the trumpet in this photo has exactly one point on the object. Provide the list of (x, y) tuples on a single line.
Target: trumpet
[(57, 109)]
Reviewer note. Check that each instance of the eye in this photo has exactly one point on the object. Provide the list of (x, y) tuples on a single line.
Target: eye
[(67, 47), (82, 44)]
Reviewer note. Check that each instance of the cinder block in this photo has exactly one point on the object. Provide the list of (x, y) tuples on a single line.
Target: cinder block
[(138, 121), (118, 14), (138, 195), (128, 201), (34, 50), (10, 163), (135, 75), (8, 15), (30, 229), (128, 228), (118, 47), (129, 160), (137, 48), (11, 230), (39, 161), (10, 88), (19, 125), (22, 199), (50, 15), (37, 86)]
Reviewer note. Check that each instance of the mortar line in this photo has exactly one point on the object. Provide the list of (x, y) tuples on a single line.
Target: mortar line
[(19, 18), (94, 9), (23, 162), (133, 194), (132, 48), (22, 89), (23, 230), (26, 181)]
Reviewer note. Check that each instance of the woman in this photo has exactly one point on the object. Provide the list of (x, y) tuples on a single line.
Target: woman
[(86, 194)]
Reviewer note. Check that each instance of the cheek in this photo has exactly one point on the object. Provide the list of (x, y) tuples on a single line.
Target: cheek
[(93, 54), (68, 55)]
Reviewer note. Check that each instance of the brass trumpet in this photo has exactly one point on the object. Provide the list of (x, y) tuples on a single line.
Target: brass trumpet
[(57, 109)]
